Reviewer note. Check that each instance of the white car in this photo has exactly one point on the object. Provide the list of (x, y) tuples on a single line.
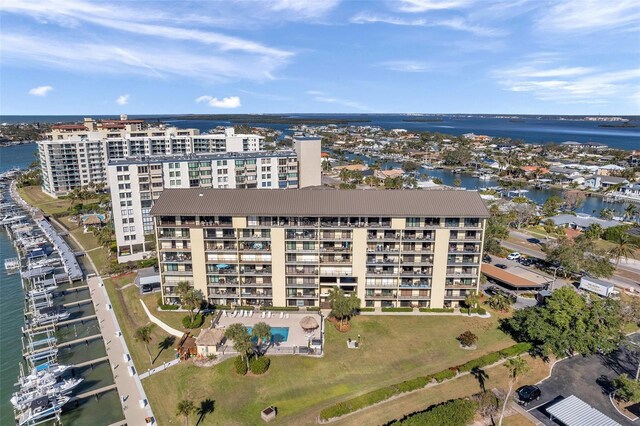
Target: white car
[(514, 256)]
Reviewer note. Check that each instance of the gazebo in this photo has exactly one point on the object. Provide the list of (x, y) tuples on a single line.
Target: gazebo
[(308, 323)]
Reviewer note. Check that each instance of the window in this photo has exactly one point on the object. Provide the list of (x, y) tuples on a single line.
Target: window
[(413, 222)]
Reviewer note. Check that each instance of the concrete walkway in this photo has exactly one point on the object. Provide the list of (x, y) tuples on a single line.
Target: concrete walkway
[(160, 368), (161, 324), (135, 405)]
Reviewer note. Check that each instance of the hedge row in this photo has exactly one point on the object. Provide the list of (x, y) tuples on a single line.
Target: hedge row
[(282, 308), (454, 412), (436, 310), (169, 307), (367, 309), (378, 395), (313, 308), (479, 311), (397, 309)]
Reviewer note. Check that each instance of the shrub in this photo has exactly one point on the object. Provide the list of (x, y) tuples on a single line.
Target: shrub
[(627, 389), (222, 307), (198, 320), (313, 308), (451, 413), (354, 404), (259, 365), (481, 311), (444, 375), (413, 384), (367, 309), (483, 361), (240, 365), (517, 349), (397, 309), (436, 310), (281, 308), (467, 339), (169, 307), (614, 233)]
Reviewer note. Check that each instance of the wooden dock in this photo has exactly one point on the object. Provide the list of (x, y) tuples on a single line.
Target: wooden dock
[(72, 321), (92, 393), (91, 362), (84, 339), (77, 303)]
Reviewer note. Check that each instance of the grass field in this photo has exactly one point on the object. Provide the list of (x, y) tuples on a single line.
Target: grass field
[(393, 348), (458, 388), (131, 316)]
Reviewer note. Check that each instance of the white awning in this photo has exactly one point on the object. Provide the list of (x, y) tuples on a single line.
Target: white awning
[(572, 411)]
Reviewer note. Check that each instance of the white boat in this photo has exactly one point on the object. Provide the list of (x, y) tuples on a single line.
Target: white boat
[(47, 387), (41, 409), (50, 315), (12, 264), (486, 176)]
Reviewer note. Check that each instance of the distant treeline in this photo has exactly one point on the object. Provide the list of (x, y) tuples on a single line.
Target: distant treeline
[(422, 120)]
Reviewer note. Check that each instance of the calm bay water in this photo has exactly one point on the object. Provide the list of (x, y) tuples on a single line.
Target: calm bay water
[(529, 129)]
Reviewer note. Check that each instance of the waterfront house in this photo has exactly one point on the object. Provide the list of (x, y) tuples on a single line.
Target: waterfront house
[(392, 173), (581, 221)]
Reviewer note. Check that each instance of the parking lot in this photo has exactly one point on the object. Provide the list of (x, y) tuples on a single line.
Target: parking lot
[(588, 378)]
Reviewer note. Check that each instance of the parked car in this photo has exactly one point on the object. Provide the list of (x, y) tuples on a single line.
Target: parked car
[(146, 288), (501, 266), (528, 393), (514, 256), (486, 258), (525, 262)]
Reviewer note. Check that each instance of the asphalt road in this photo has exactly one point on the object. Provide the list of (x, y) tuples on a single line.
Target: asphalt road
[(588, 378)]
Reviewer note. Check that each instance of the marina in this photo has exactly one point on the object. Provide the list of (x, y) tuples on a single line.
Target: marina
[(62, 368)]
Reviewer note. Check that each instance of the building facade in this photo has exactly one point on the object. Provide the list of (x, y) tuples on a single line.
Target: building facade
[(75, 155), (135, 183), (289, 248)]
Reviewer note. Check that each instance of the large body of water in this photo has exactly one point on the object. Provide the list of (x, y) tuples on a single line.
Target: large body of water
[(529, 129)]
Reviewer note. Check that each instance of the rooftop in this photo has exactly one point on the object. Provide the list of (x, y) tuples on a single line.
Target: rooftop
[(328, 202)]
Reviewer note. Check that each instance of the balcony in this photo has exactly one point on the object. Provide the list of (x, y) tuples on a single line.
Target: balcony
[(172, 273), (335, 259), (222, 271), (382, 261), (415, 284), (176, 258), (379, 296), (385, 236), (391, 272), (248, 271), (301, 235), (301, 271), (302, 295), (412, 236), (221, 247), (339, 236), (256, 294), (334, 249), (211, 222), (414, 296)]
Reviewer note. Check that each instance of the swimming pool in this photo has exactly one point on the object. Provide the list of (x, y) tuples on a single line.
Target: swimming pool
[(278, 334), (100, 216)]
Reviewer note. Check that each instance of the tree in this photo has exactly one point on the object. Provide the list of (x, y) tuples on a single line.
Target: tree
[(457, 182), (241, 340), (569, 323), (593, 231), (182, 288), (326, 166), (573, 200), (499, 302), (342, 306), (372, 180), (410, 166), (627, 389), (496, 230), (624, 247), (467, 339), (630, 212), (471, 300), (630, 309), (521, 213), (192, 300), (261, 331), (606, 214), (184, 408), (143, 334), (437, 181), (575, 256), (517, 367), (549, 226)]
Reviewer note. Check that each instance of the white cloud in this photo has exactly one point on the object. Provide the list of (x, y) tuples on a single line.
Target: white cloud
[(417, 6), (122, 100), (320, 96), (546, 81), (40, 90), (591, 15), (230, 102), (406, 66), (457, 23), (137, 40), (304, 8), (133, 58)]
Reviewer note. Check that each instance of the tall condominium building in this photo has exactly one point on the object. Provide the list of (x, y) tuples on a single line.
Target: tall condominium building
[(72, 156), (135, 183), (289, 248)]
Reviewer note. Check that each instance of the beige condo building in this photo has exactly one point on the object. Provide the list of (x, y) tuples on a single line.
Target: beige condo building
[(290, 247)]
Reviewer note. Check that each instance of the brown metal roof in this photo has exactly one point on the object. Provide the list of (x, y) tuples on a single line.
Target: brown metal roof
[(329, 202), (507, 277)]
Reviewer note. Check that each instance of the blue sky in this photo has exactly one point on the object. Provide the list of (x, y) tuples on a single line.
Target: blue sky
[(431, 56)]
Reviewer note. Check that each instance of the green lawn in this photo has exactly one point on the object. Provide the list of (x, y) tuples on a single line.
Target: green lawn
[(34, 196), (130, 316), (394, 348)]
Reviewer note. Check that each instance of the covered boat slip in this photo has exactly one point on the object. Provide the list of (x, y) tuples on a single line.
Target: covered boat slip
[(572, 411), (69, 260), (523, 280)]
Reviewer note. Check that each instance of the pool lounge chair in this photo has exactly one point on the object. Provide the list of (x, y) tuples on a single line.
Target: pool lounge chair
[(286, 316), (250, 314), (281, 315), (262, 314), (224, 314)]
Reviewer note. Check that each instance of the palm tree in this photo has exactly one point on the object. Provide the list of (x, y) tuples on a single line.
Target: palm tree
[(471, 300), (143, 334), (625, 247), (593, 231), (192, 300), (630, 211), (499, 302), (262, 331), (241, 340), (182, 287), (517, 367), (184, 408)]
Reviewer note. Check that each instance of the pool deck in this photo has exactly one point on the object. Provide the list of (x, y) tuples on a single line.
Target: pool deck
[(297, 336)]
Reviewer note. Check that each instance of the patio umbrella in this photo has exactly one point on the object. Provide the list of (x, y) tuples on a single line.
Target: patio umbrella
[(309, 323), (222, 266)]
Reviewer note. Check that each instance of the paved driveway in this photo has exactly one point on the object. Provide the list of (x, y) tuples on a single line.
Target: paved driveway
[(587, 378)]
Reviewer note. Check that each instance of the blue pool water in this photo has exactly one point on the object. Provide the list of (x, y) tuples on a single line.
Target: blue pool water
[(98, 215), (278, 334)]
